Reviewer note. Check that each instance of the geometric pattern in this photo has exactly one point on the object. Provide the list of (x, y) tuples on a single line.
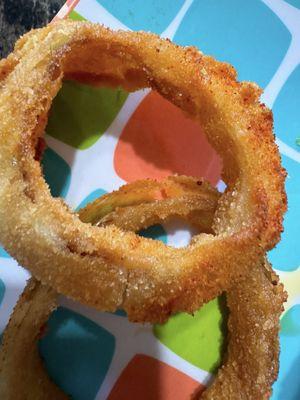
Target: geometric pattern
[(94, 134)]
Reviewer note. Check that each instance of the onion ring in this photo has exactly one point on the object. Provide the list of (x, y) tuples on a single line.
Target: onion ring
[(255, 305), (120, 268), (22, 374), (251, 364), (38, 301), (138, 205)]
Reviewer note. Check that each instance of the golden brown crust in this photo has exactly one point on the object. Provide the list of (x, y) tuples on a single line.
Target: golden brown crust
[(255, 305), (22, 375), (248, 218), (251, 364), (140, 205)]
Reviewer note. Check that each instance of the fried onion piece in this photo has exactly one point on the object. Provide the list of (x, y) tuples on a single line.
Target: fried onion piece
[(255, 304), (22, 374), (106, 267), (252, 360), (138, 205)]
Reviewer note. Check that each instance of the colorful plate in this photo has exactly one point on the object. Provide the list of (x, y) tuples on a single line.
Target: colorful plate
[(95, 134)]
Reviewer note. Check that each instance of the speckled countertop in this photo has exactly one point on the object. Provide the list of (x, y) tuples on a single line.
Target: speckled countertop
[(19, 16)]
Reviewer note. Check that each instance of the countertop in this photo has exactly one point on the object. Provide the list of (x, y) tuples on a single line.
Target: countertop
[(19, 16)]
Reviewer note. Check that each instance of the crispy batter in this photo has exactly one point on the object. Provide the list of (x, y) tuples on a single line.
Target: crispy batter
[(19, 346), (139, 204), (255, 304), (106, 267), (251, 364), (22, 374)]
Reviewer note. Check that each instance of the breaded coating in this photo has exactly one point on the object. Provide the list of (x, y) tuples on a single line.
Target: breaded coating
[(255, 305), (251, 363), (106, 267)]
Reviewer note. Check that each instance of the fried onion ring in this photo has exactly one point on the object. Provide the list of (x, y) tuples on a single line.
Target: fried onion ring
[(38, 301), (251, 364), (105, 267), (22, 373), (255, 305), (138, 205)]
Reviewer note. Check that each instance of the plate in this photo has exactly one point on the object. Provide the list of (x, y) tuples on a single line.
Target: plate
[(99, 139)]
